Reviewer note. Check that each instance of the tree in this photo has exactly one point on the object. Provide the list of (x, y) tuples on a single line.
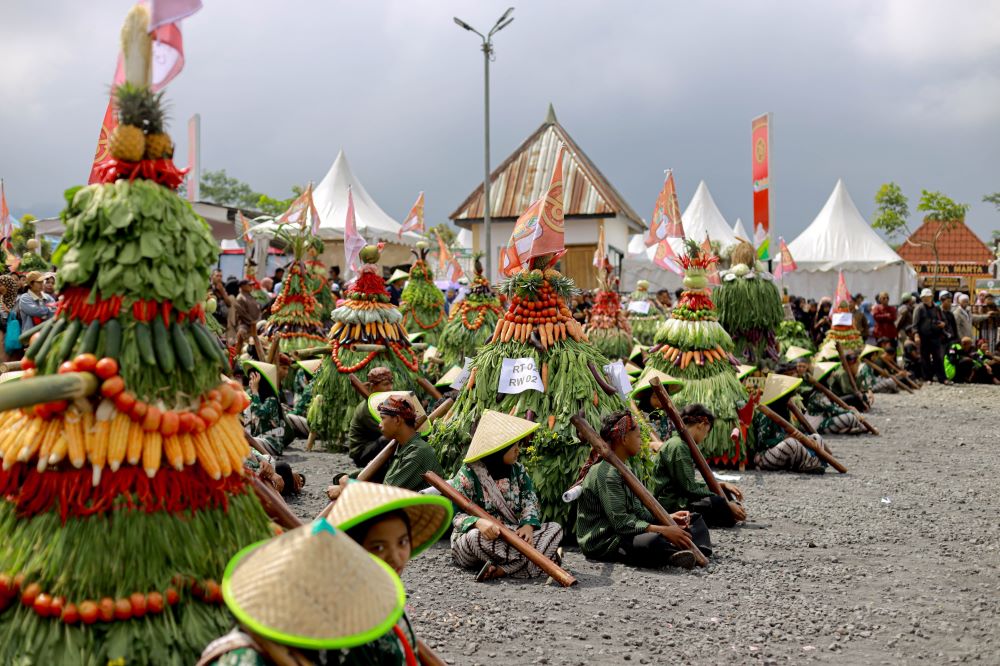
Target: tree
[(20, 236), (893, 210), (275, 207), (995, 200), (217, 187)]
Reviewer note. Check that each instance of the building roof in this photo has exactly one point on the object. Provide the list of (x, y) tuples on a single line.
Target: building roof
[(957, 245), (524, 175)]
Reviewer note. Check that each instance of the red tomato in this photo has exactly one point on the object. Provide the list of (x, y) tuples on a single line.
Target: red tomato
[(123, 609), (30, 594), (71, 615), (68, 366), (106, 368), (106, 609), (172, 596), (43, 604), (88, 612), (154, 602), (124, 402), (112, 387), (138, 601), (85, 362)]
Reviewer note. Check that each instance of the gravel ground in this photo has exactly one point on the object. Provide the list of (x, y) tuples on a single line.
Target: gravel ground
[(892, 563)]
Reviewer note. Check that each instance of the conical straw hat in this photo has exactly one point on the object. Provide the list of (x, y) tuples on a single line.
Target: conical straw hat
[(632, 369), (827, 352), (636, 350), (268, 371), (311, 365), (397, 275), (497, 431), (777, 387), (360, 501), (414, 337), (376, 399), (869, 350), (448, 378), (743, 371), (823, 368), (313, 587), (671, 384), (793, 353)]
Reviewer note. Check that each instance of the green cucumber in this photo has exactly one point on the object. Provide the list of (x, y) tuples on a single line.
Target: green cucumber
[(182, 348), (25, 336), (89, 343), (112, 339), (69, 340), (207, 344), (144, 339), (162, 347), (44, 331), (49, 341)]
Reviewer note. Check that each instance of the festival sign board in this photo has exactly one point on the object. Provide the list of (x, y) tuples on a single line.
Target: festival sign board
[(518, 375)]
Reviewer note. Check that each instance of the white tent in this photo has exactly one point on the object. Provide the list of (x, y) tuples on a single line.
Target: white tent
[(330, 197), (840, 239), (740, 231), (638, 265), (702, 217)]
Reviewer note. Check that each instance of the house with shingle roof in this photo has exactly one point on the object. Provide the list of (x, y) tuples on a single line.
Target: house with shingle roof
[(961, 257)]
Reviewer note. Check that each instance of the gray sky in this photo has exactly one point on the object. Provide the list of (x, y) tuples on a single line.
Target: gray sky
[(904, 90)]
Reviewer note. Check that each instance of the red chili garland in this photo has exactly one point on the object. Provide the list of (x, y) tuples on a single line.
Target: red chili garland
[(335, 353), (413, 363), (413, 312), (162, 171)]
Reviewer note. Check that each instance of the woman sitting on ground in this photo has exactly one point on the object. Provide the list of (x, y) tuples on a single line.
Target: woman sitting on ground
[(494, 480), (613, 525), (266, 422), (774, 450)]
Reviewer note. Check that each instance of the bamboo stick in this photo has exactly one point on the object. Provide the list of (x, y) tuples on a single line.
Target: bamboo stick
[(699, 459), (359, 386), (837, 400), (907, 377), (427, 386), (808, 442), (426, 656), (801, 418), (850, 374), (29, 391), (309, 352), (874, 366), (590, 436), (10, 366), (363, 347), (274, 506), (465, 505), (311, 442)]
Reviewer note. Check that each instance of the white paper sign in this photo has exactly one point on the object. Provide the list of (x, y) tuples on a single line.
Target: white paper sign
[(842, 319), (464, 375), (618, 377), (639, 307), (518, 375)]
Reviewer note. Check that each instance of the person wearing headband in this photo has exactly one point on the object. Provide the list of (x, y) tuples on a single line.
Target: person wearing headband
[(612, 525), (414, 456), (364, 437)]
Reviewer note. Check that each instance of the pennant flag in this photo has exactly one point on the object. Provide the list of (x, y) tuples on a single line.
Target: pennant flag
[(601, 251), (415, 218), (448, 265), (244, 227), (301, 211), (168, 61), (787, 264), (353, 242), (540, 229), (842, 295), (760, 135), (6, 225), (713, 273), (666, 257), (666, 221)]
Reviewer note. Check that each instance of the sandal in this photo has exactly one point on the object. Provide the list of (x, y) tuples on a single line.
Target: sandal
[(489, 572)]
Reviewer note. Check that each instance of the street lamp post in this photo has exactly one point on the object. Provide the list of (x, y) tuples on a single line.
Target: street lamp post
[(487, 47)]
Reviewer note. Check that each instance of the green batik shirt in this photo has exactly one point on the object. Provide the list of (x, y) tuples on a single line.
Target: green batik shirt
[(607, 512), (384, 651), (364, 430), (303, 393), (840, 383), (674, 483), (406, 470), (518, 491), (264, 415), (661, 425), (766, 433), (866, 378)]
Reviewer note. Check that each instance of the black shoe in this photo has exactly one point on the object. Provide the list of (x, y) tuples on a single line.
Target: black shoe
[(683, 559)]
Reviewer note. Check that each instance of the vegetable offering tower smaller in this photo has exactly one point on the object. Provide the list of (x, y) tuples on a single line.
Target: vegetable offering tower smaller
[(607, 326), (421, 302), (842, 330), (644, 324), (694, 347), (471, 321), (367, 332), (319, 283), (296, 320), (750, 308)]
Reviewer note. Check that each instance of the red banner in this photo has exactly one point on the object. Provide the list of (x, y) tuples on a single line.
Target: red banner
[(666, 219), (761, 138)]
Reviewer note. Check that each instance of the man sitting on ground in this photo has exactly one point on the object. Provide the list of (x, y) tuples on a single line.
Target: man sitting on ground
[(364, 437)]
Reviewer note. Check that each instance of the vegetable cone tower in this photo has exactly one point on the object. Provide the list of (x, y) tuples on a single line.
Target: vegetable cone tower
[(607, 326), (750, 308), (421, 302), (368, 319), (842, 328), (644, 324), (472, 321), (121, 506), (695, 348), (319, 284)]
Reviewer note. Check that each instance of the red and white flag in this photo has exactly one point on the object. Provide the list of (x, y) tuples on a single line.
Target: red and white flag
[(353, 242), (713, 272), (448, 266), (601, 251), (168, 61), (786, 263), (539, 231), (6, 225), (415, 218), (842, 295), (666, 257), (302, 211), (666, 220), (244, 226)]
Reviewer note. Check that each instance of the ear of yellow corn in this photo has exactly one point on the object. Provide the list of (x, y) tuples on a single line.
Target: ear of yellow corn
[(134, 446), (174, 453), (32, 445), (187, 446), (97, 437), (118, 441), (74, 436), (206, 456), (152, 452)]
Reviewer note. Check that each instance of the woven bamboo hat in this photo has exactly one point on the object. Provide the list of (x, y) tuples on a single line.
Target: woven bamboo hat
[(448, 378), (429, 514), (743, 371), (636, 350), (632, 369), (268, 371), (869, 350), (793, 353), (415, 336), (397, 275), (496, 432), (823, 368), (310, 366), (827, 352), (671, 384), (777, 387), (376, 399), (313, 587)]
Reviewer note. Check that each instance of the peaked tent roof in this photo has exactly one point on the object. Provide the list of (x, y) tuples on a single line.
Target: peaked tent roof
[(958, 245), (740, 231), (703, 217), (840, 239), (524, 175), (330, 197)]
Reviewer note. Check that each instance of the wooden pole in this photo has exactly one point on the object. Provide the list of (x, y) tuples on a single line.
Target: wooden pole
[(874, 366), (10, 366), (362, 347), (850, 374), (801, 418), (311, 442), (465, 505), (836, 399), (907, 377), (426, 656), (699, 459), (359, 386), (427, 386), (806, 441), (309, 352), (590, 436)]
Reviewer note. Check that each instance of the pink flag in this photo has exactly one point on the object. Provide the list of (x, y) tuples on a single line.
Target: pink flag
[(786, 264), (6, 226), (713, 273), (302, 211), (666, 220), (842, 294), (353, 242), (448, 265), (171, 11), (666, 257), (601, 250), (415, 218), (539, 231)]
